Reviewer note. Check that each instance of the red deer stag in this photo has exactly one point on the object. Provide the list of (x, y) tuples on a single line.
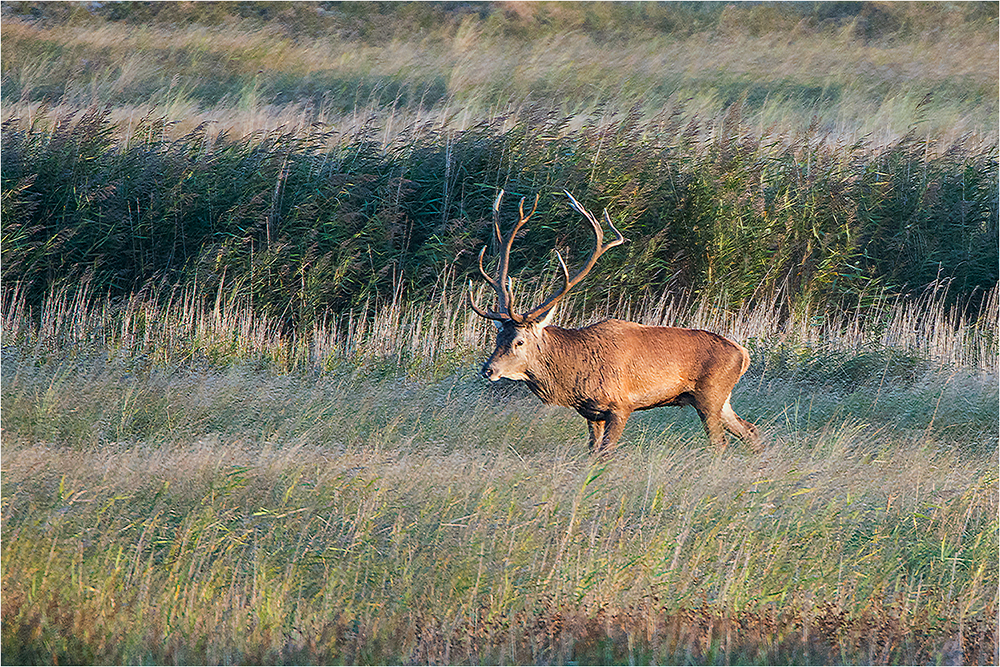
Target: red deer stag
[(608, 370)]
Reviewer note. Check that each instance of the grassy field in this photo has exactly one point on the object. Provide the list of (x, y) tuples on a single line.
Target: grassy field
[(241, 415), (376, 501), (875, 70)]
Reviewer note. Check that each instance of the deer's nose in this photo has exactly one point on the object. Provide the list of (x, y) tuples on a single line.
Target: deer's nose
[(489, 373)]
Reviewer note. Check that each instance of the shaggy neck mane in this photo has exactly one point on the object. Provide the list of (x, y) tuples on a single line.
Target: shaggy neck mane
[(544, 377)]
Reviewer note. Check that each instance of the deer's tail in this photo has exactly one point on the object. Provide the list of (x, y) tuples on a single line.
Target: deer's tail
[(746, 359)]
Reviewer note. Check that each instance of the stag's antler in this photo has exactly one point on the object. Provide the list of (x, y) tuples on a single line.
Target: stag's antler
[(505, 297), (599, 249)]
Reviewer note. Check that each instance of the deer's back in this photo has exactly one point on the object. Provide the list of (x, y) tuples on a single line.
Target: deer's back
[(632, 364)]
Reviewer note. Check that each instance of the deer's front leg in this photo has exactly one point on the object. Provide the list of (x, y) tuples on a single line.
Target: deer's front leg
[(604, 433), (613, 427), (596, 434)]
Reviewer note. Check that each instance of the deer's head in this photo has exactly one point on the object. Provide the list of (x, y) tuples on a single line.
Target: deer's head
[(519, 338)]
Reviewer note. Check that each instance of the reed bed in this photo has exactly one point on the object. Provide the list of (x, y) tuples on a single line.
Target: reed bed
[(179, 328), (302, 227)]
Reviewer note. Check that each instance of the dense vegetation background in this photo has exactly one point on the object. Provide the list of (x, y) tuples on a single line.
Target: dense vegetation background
[(350, 151)]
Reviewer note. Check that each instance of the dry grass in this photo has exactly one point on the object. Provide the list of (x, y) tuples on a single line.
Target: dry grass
[(188, 480), (172, 508), (181, 328), (424, 524), (246, 79)]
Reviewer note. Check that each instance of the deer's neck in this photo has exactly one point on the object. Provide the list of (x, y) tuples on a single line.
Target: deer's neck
[(555, 369)]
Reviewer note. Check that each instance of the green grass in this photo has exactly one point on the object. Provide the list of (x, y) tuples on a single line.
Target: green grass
[(303, 229), (397, 527), (176, 508), (320, 156)]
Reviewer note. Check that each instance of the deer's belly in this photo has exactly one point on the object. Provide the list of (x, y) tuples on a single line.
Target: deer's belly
[(684, 398), (653, 395)]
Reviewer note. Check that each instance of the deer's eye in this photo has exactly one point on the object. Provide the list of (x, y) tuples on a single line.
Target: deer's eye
[(518, 343)]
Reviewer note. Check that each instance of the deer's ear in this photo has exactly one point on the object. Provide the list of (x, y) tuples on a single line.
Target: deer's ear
[(547, 318)]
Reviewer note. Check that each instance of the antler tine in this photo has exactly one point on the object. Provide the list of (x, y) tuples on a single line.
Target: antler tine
[(509, 240), (503, 278), (488, 314), (501, 284), (495, 284), (489, 280), (599, 249), (520, 210), (496, 217)]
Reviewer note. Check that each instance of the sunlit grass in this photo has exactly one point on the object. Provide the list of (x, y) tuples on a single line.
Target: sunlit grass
[(403, 527), (277, 448), (369, 508), (246, 77), (887, 335)]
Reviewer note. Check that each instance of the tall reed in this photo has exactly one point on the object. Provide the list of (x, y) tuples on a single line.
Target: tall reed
[(303, 224), (179, 327)]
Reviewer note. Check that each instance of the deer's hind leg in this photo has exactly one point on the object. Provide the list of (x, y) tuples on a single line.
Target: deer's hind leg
[(715, 428), (740, 427)]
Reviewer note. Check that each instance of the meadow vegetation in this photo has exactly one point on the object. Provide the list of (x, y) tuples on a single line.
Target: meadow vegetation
[(185, 485), (872, 69), (241, 415), (298, 227), (377, 187)]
